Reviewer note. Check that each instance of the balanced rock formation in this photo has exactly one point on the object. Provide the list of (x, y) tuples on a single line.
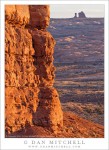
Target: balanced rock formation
[(30, 97)]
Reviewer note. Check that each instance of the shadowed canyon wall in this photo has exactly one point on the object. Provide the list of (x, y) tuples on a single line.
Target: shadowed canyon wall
[(30, 98)]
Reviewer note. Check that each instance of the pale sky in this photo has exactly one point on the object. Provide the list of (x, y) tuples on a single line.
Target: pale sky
[(68, 10)]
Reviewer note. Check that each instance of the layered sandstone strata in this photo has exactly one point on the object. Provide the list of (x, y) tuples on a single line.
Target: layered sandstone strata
[(29, 72)]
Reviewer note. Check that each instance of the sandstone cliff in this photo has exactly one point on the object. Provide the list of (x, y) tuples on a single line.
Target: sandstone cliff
[(32, 106), (30, 97)]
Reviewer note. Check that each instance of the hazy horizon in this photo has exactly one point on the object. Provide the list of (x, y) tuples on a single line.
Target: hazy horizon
[(69, 10)]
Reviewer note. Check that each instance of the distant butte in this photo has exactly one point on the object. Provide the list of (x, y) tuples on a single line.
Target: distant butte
[(80, 15)]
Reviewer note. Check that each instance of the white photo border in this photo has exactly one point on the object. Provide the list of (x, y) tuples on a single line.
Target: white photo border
[(66, 143)]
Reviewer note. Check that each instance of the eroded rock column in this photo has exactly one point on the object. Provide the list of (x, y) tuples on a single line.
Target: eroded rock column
[(49, 113)]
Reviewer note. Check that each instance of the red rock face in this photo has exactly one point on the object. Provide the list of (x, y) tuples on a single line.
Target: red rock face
[(44, 49), (39, 16), (17, 14), (49, 111), (29, 72), (20, 80)]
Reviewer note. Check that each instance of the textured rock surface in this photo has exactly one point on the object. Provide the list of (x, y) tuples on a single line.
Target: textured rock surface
[(17, 14), (29, 71), (49, 113), (39, 16), (44, 49), (20, 79)]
